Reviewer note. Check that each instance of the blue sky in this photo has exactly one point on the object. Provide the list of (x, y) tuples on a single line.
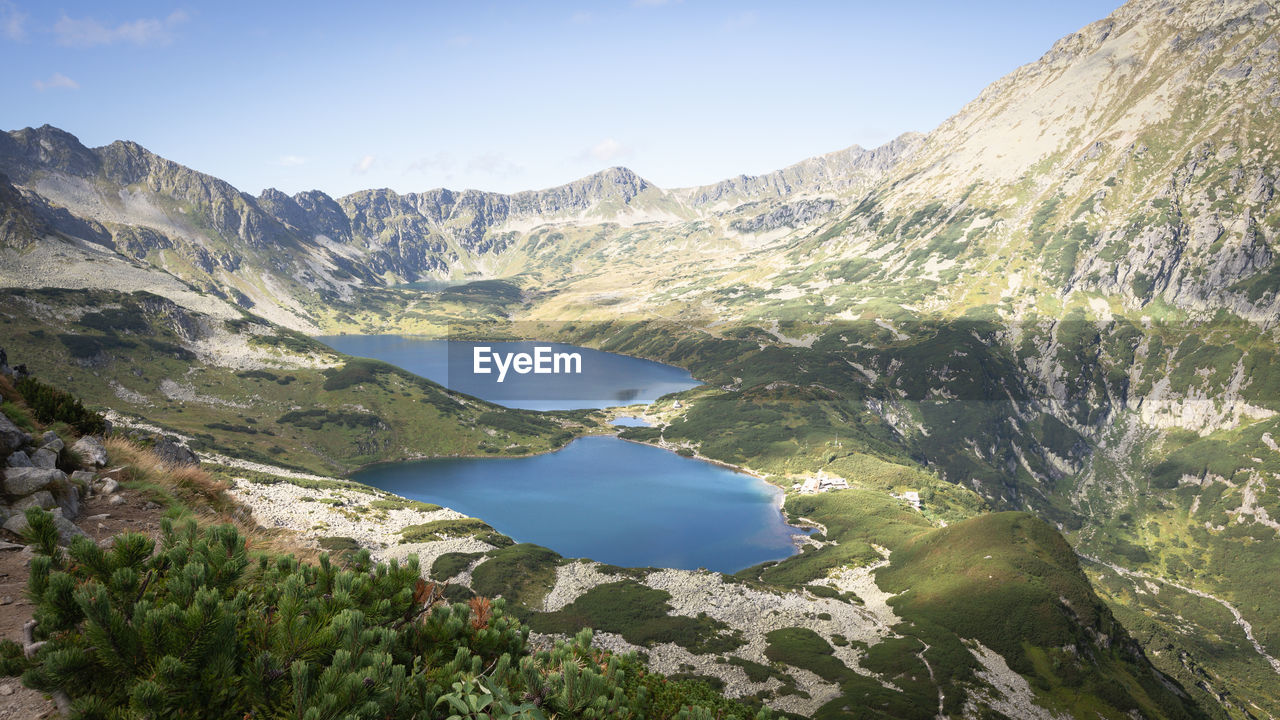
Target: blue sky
[(506, 96)]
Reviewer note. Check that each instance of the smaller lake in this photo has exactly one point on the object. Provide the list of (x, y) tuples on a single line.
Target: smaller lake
[(609, 500), (606, 379)]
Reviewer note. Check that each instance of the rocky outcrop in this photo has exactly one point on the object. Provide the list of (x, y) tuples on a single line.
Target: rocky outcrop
[(789, 215), (851, 168), (32, 478), (174, 453)]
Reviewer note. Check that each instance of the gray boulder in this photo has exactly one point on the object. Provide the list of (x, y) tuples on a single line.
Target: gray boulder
[(44, 458), (109, 486), (20, 459), (85, 476), (48, 437), (173, 453), (42, 499), (91, 450), (55, 444), (16, 524), (67, 530), (11, 436), (67, 497), (24, 481)]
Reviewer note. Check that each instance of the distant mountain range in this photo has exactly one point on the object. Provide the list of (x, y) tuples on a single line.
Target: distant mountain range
[(224, 241)]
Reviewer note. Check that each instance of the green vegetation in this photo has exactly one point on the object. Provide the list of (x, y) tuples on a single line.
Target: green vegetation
[(521, 573), (452, 528), (383, 414), (50, 405), (202, 628), (316, 419), (758, 673), (452, 563), (804, 648), (639, 614), (398, 503)]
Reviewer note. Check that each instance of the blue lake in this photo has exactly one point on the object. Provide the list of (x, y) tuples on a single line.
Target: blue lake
[(609, 500), (606, 379)]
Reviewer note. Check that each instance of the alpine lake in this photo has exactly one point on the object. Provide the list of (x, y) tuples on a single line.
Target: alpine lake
[(599, 497)]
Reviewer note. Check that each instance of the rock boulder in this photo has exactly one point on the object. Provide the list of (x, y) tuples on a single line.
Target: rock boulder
[(44, 458), (23, 481), (11, 436), (173, 453), (91, 450)]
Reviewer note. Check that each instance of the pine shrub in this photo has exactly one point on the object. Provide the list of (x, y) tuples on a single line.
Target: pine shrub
[(196, 627), (50, 404)]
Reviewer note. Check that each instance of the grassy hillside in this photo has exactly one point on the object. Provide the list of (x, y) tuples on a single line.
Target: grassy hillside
[(251, 390)]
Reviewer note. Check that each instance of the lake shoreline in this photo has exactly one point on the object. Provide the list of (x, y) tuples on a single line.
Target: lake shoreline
[(779, 494), (635, 508)]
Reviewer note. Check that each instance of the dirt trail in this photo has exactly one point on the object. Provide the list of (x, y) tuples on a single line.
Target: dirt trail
[(98, 520)]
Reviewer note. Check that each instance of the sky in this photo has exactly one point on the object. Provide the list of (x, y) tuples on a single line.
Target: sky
[(344, 96)]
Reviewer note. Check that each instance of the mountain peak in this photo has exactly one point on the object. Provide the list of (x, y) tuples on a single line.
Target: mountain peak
[(28, 149)]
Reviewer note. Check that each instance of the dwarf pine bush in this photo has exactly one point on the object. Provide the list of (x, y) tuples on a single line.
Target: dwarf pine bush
[(195, 627)]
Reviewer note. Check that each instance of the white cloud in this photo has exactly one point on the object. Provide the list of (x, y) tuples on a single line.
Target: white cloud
[(89, 32), (291, 161), (56, 81), (365, 164), (12, 21), (605, 151)]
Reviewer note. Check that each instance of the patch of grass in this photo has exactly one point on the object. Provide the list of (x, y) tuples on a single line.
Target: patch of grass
[(522, 573), (758, 673), (19, 415), (356, 371), (450, 564), (403, 504), (441, 529), (806, 649), (639, 614)]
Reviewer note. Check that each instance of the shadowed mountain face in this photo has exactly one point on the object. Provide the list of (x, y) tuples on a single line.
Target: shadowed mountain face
[(1064, 298)]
